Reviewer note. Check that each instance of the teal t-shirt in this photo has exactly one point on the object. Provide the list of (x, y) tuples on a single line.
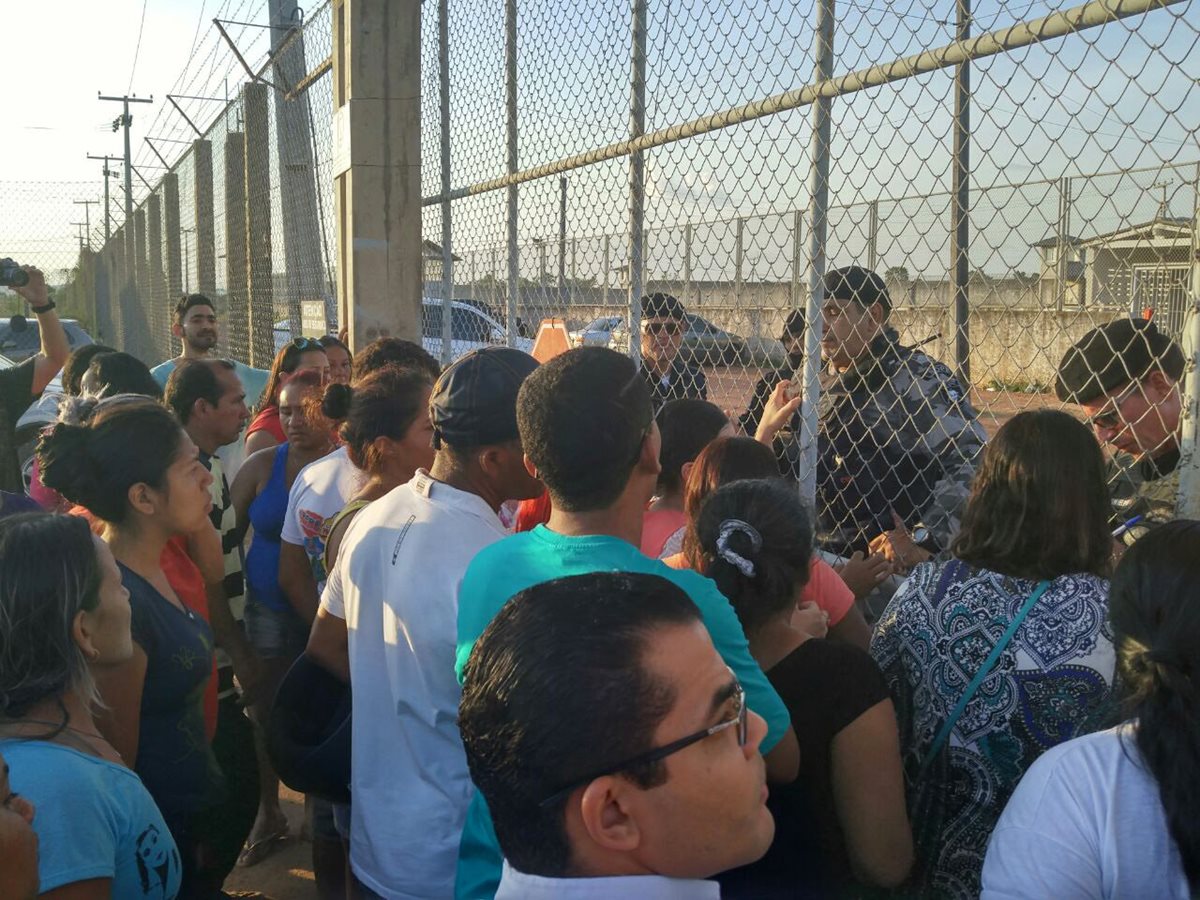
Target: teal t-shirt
[(94, 819), (254, 381), (510, 566)]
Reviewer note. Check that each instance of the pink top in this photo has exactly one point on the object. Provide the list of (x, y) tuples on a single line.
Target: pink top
[(658, 527), (825, 587)]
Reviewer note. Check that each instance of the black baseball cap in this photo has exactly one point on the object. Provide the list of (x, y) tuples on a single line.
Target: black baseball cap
[(861, 285), (474, 402), (1113, 355), (660, 305)]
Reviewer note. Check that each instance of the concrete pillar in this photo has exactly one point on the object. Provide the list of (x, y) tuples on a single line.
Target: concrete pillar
[(377, 166), (206, 247), (156, 297), (303, 271), (142, 295), (103, 323), (259, 290), (237, 313), (172, 266), (117, 288)]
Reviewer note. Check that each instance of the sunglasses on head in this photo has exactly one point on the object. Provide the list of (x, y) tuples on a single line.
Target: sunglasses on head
[(305, 343)]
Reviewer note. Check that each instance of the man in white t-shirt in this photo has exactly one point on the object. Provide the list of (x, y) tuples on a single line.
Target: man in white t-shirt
[(387, 624)]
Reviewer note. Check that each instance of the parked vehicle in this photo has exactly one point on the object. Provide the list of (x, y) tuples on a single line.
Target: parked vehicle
[(470, 329), (20, 337), (703, 342), (497, 314)]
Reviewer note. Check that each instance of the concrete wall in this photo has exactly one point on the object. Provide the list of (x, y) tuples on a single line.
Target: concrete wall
[(1011, 346)]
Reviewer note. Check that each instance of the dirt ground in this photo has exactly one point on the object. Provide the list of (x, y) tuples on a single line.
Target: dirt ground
[(287, 875)]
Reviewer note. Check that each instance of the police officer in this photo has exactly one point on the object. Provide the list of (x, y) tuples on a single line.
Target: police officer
[(897, 439), (668, 375), (1127, 377)]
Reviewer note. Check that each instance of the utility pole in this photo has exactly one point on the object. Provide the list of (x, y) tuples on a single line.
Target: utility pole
[(80, 226), (108, 173), (124, 121), (87, 217)]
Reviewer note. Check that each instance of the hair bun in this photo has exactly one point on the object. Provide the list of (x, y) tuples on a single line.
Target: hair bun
[(336, 402), (65, 463)]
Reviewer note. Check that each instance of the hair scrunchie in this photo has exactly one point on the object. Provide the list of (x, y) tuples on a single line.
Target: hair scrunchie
[(736, 526)]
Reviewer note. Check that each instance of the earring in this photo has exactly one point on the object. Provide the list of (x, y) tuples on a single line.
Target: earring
[(93, 654)]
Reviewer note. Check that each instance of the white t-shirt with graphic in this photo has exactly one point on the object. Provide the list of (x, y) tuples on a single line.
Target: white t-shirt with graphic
[(319, 492)]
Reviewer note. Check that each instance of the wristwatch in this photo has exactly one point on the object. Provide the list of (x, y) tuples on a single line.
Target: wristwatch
[(38, 310), (922, 538)]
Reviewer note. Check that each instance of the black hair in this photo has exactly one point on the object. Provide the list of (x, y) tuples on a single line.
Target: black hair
[(186, 302), (1039, 505), (123, 373), (1156, 628), (554, 690), (332, 340), (385, 403), (582, 417), (192, 380), (286, 362), (77, 363), (390, 351), (123, 441), (49, 572), (779, 548), (687, 427)]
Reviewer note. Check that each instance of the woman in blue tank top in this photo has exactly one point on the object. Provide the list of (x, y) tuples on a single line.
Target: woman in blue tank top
[(276, 631)]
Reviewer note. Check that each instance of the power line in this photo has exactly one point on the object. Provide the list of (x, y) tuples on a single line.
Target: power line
[(138, 48)]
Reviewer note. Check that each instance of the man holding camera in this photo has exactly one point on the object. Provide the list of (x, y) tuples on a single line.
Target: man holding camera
[(22, 384)]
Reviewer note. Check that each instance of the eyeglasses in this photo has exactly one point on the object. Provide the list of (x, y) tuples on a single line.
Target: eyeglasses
[(650, 756), (1110, 417), (660, 327), (305, 343)]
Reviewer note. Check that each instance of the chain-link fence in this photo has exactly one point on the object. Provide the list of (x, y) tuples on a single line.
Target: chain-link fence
[(50, 224), (1016, 172)]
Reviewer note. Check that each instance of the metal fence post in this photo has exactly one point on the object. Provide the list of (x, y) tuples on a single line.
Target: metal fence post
[(447, 224), (739, 258), (637, 181), (817, 227), (687, 262), (873, 235), (510, 100), (960, 209), (142, 295), (1187, 504), (607, 266), (1063, 244)]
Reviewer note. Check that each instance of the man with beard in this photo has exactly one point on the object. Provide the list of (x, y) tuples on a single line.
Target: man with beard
[(195, 324)]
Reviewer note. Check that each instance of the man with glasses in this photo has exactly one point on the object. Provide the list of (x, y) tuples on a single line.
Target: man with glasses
[(668, 375), (1126, 375), (586, 425), (612, 743)]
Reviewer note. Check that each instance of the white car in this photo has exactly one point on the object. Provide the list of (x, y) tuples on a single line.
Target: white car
[(470, 329)]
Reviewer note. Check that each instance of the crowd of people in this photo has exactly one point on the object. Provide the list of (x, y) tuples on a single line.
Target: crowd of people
[(561, 630)]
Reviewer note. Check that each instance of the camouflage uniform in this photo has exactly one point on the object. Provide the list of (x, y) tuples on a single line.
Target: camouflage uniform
[(1148, 488), (897, 432)]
